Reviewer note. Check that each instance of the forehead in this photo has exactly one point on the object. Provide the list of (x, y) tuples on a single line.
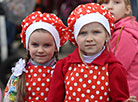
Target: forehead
[(92, 25)]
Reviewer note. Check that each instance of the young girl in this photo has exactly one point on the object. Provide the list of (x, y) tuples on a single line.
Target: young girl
[(42, 35), (124, 40), (91, 73)]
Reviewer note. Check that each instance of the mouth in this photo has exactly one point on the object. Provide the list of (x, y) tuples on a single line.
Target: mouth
[(40, 55), (90, 45)]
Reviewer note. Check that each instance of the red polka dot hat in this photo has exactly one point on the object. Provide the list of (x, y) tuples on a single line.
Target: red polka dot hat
[(87, 13), (49, 22)]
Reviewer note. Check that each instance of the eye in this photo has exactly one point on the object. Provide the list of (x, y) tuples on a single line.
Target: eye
[(96, 32), (82, 33), (116, 2), (35, 44), (47, 45)]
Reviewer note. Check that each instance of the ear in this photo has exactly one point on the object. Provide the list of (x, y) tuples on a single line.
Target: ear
[(128, 10), (107, 36)]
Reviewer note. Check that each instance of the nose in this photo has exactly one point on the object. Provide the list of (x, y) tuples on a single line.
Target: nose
[(40, 49), (89, 38)]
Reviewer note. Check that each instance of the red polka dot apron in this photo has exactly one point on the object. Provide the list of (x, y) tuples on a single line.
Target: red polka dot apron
[(37, 83), (87, 83)]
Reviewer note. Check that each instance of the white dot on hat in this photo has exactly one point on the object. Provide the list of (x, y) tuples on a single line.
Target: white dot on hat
[(83, 95), (27, 84), (33, 93), (77, 74), (92, 96), (34, 83), (79, 89), (88, 91), (39, 79), (68, 83), (82, 70), (69, 98), (29, 88), (84, 85), (48, 80), (103, 68), (91, 71), (37, 98), (31, 70), (89, 81), (98, 82), (33, 17), (96, 67), (70, 88), (77, 99), (101, 97), (74, 94), (40, 70), (93, 86), (47, 89), (45, 99), (38, 89), (94, 77), (48, 71), (43, 84), (70, 68), (107, 73), (75, 84), (44, 75), (80, 79), (42, 94), (29, 76), (97, 92), (72, 78), (86, 100), (106, 83), (85, 75), (102, 78), (105, 93), (102, 88)]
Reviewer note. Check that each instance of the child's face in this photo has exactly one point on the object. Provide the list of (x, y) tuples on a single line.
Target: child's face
[(91, 38), (117, 8), (41, 46)]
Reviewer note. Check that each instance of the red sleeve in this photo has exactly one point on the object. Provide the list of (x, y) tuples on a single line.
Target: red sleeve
[(118, 83), (57, 86)]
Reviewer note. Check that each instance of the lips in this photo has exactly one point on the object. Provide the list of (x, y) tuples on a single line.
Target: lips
[(40, 55)]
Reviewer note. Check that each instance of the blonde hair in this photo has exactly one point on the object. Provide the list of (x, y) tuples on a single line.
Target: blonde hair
[(127, 3)]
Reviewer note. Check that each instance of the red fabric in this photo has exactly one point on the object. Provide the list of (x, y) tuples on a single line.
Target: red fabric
[(38, 80), (87, 83), (45, 17), (85, 9), (117, 76)]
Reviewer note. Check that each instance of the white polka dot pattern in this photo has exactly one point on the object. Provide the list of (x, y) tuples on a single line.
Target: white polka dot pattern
[(82, 10), (37, 83), (87, 84), (45, 17)]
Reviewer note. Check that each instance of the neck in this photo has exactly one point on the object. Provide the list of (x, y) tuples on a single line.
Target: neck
[(49, 63), (89, 59)]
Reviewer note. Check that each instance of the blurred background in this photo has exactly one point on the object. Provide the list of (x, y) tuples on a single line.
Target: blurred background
[(12, 12)]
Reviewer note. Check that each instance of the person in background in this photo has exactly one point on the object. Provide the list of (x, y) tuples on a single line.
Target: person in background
[(91, 73), (42, 35), (65, 7), (124, 39)]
